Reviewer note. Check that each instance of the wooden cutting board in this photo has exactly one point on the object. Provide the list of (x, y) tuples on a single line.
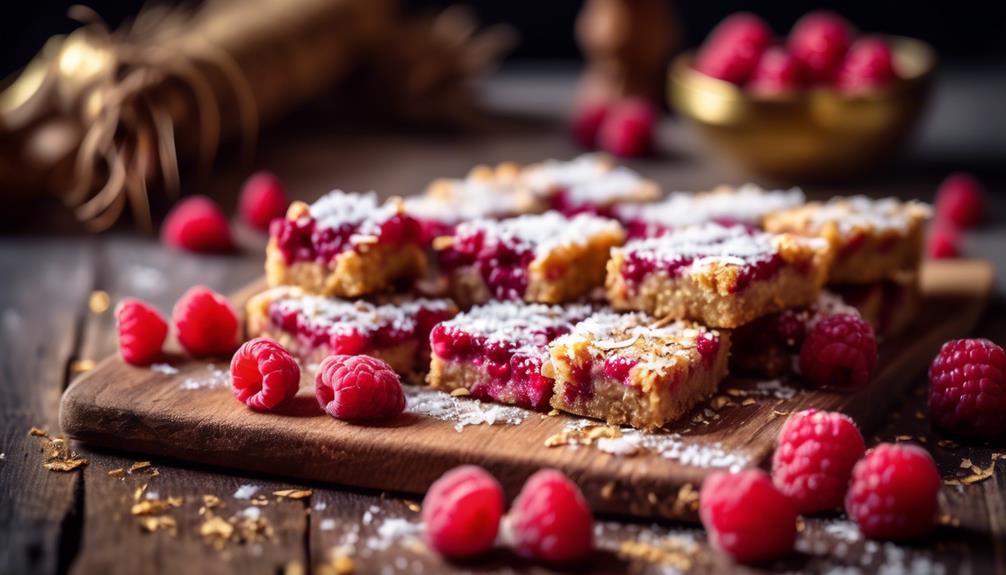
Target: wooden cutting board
[(191, 415)]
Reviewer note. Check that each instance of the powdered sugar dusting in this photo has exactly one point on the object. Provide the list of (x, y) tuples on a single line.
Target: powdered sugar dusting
[(460, 411), (338, 209), (460, 200), (860, 212), (523, 326), (163, 368), (589, 179), (747, 205), (541, 233)]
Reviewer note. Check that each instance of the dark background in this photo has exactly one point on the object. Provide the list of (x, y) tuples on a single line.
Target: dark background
[(961, 31)]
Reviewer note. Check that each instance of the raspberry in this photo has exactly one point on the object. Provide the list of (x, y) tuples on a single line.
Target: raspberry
[(551, 520), (776, 73), (142, 331), (960, 200), (967, 388), (814, 459), (627, 130), (746, 516), (868, 65), (262, 200), (197, 224), (587, 123), (358, 387), (818, 43), (944, 242), (734, 47), (264, 374), (205, 322), (894, 490), (462, 512), (839, 352)]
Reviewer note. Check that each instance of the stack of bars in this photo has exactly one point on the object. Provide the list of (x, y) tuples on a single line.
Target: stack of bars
[(574, 286)]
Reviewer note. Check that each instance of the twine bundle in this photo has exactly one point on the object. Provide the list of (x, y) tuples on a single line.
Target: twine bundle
[(99, 118)]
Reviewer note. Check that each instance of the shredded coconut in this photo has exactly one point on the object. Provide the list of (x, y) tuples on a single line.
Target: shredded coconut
[(459, 200), (461, 411), (164, 369), (216, 378), (746, 205), (860, 212), (246, 491), (540, 233), (589, 179), (525, 328)]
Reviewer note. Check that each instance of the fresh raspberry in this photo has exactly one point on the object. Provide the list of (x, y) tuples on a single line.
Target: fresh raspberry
[(734, 48), (967, 388), (894, 490), (462, 512), (814, 459), (587, 122), (818, 43), (197, 224), (627, 130), (358, 387), (746, 516), (944, 242), (205, 322), (839, 352), (776, 73), (551, 520), (142, 331), (262, 200), (264, 374), (868, 65), (960, 200)]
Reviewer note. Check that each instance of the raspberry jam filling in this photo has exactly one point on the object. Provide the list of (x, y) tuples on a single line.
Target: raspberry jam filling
[(355, 327), (692, 250), (501, 251), (340, 222), (508, 342)]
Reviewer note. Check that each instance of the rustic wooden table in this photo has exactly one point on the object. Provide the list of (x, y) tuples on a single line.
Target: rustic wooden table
[(55, 320)]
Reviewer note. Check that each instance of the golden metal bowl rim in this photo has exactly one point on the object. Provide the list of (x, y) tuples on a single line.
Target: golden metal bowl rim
[(684, 76)]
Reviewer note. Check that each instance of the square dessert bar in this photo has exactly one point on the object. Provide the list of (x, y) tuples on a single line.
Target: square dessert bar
[(545, 258), (720, 276), (626, 369), (747, 205), (496, 351), (770, 345), (486, 192), (591, 183), (312, 327), (345, 245), (872, 239)]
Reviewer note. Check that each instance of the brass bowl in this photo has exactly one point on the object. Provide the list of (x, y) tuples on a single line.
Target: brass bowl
[(811, 135)]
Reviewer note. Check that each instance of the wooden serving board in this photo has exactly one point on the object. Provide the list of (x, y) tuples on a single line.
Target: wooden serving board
[(191, 415)]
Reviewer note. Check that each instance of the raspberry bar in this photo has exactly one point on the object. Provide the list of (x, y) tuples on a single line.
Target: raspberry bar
[(496, 350), (312, 327), (872, 239), (747, 205), (545, 258), (486, 193), (769, 345), (590, 183), (625, 369), (720, 276), (345, 245)]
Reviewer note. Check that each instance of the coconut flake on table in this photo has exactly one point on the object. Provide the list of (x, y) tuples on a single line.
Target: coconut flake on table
[(217, 377), (460, 411), (246, 491), (164, 368), (541, 233)]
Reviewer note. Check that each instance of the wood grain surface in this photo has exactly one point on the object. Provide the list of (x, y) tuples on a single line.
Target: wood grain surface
[(137, 409)]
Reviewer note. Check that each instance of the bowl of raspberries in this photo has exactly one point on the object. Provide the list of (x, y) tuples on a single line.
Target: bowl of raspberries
[(824, 102)]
